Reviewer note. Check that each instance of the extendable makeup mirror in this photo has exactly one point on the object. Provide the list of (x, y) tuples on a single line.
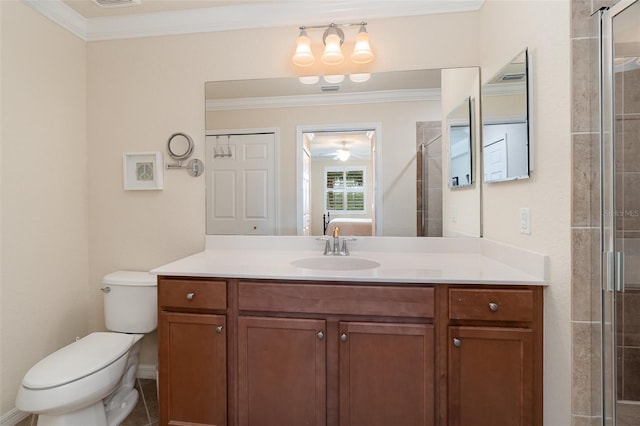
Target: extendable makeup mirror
[(180, 147)]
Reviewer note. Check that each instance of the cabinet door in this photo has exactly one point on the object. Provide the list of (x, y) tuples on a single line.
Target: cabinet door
[(281, 371), (490, 376), (386, 374), (192, 369)]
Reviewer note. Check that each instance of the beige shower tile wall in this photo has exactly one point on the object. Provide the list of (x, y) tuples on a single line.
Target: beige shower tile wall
[(585, 305), (427, 131)]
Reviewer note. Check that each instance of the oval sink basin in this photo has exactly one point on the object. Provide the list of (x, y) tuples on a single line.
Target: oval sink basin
[(335, 263)]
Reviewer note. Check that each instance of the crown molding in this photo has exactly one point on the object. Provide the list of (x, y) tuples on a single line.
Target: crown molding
[(500, 89), (236, 17), (62, 15), (323, 99)]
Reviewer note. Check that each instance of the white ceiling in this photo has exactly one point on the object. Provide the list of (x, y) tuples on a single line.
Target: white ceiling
[(91, 9), (167, 17)]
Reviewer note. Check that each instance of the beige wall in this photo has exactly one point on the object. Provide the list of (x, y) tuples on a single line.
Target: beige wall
[(139, 91), (461, 214), (45, 243), (543, 26)]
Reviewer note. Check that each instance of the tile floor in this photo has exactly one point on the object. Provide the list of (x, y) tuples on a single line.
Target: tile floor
[(144, 414)]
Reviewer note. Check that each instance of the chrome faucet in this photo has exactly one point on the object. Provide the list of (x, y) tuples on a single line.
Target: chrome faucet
[(336, 240), (335, 249)]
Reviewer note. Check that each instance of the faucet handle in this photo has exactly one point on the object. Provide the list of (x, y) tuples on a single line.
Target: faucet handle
[(327, 248), (345, 250)]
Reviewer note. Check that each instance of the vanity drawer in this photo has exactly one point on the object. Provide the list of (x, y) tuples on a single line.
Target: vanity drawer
[(336, 299), (491, 304), (192, 294)]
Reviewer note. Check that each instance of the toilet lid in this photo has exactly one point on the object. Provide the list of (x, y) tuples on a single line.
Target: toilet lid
[(78, 360)]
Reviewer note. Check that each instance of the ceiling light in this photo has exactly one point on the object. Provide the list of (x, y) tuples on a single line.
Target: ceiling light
[(362, 53), (303, 56), (343, 154)]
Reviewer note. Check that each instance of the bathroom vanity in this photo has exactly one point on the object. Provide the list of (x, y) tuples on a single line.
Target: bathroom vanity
[(443, 334)]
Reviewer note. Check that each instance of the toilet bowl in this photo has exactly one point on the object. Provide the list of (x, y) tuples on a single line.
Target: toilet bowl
[(91, 381)]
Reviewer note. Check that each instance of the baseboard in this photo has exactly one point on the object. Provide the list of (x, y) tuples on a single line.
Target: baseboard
[(13, 417), (146, 371)]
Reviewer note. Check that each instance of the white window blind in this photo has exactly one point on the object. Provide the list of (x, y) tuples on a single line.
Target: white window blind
[(344, 189)]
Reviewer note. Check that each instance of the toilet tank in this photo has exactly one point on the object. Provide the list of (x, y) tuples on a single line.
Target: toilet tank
[(130, 301)]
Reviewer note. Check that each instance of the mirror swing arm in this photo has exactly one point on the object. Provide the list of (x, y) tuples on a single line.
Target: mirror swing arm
[(178, 151)]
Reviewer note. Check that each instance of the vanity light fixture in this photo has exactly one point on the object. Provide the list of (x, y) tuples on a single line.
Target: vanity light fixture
[(333, 38), (303, 56), (362, 53)]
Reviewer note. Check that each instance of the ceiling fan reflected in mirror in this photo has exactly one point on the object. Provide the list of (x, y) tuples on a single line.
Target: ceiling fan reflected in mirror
[(343, 153), (341, 146)]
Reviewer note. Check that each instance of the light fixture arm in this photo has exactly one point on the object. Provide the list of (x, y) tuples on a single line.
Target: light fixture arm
[(332, 25), (333, 29)]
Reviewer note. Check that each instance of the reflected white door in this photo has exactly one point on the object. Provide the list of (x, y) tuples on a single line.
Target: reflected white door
[(241, 184), (306, 193), (495, 159)]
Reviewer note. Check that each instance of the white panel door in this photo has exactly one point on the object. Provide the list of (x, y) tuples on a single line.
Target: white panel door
[(495, 159), (241, 184)]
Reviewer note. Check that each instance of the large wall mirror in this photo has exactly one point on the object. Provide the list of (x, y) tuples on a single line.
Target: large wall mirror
[(285, 158), (505, 122)]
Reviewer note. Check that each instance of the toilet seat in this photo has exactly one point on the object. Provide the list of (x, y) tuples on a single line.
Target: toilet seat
[(78, 360)]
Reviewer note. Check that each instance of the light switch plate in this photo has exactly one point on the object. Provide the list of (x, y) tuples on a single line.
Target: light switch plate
[(525, 220)]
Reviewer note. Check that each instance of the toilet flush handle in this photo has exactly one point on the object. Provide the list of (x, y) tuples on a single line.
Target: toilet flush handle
[(106, 289)]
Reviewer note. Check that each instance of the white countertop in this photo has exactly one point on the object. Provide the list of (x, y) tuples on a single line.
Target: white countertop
[(407, 260)]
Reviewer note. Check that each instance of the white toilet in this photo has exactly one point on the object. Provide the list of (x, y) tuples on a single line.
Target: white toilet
[(91, 381)]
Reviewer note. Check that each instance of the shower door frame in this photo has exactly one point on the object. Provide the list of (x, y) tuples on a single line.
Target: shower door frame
[(612, 270)]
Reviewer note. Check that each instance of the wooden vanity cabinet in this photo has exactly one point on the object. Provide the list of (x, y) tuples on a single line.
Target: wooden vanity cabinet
[(266, 352), (325, 354), (386, 374), (281, 371), (192, 352), (495, 357)]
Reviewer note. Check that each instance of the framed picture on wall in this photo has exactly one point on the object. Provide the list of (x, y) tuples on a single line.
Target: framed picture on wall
[(143, 170)]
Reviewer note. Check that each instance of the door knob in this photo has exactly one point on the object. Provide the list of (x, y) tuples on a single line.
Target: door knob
[(343, 337), (457, 342), (219, 329), (493, 307), (320, 335), (190, 296)]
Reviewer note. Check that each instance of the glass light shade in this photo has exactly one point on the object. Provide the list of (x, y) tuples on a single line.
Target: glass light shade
[(303, 56), (343, 154), (309, 79), (334, 78), (360, 77), (332, 54), (362, 53)]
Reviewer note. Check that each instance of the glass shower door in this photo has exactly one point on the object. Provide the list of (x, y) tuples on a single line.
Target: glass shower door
[(620, 142)]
